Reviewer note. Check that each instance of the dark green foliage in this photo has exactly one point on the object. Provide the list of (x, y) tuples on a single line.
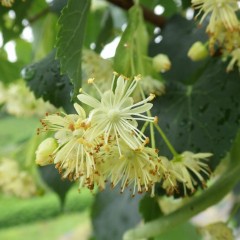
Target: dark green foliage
[(202, 117), (113, 213), (70, 40), (200, 110), (149, 208), (45, 80), (12, 27), (52, 178)]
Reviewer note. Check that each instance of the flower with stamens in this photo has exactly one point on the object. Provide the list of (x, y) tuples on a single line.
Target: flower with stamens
[(116, 114), (235, 54), (169, 176), (190, 167), (222, 11), (73, 156), (137, 169)]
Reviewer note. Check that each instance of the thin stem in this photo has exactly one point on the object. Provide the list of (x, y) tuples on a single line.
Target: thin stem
[(153, 144), (165, 139)]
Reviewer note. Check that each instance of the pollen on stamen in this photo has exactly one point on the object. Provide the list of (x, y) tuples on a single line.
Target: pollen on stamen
[(138, 77), (151, 96), (155, 119)]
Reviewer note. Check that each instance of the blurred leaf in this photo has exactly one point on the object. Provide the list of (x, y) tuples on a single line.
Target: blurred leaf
[(132, 46), (9, 128), (94, 23), (106, 32), (23, 50), (149, 208), (12, 27), (44, 32), (36, 8), (45, 80), (183, 231), (52, 178), (170, 7), (186, 4), (113, 213), (9, 71), (70, 40)]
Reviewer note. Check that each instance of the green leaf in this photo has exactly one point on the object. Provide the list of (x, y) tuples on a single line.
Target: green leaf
[(200, 110), (70, 40), (132, 46), (44, 32), (202, 117), (45, 80), (9, 72), (149, 208), (185, 230), (23, 50), (106, 32), (12, 27), (113, 213), (52, 178)]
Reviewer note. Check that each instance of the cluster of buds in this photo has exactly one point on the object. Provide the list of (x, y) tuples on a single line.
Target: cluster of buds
[(223, 27)]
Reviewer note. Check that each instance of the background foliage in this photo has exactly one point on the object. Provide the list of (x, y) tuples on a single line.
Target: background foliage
[(200, 111)]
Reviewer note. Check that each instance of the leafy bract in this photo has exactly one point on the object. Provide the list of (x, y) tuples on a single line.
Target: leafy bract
[(132, 46), (70, 40)]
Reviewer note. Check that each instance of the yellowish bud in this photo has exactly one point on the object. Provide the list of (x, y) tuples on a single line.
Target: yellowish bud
[(197, 51), (44, 151), (161, 63)]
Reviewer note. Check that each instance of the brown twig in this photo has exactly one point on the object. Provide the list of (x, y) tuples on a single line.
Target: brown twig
[(39, 15), (147, 13)]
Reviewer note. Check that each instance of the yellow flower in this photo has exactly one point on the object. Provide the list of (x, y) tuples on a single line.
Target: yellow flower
[(116, 114), (235, 54), (222, 11), (73, 157), (189, 167), (137, 169)]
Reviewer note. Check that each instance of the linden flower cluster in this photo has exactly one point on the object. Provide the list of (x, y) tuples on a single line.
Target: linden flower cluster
[(223, 27), (18, 100), (186, 169), (7, 3), (107, 144), (15, 182)]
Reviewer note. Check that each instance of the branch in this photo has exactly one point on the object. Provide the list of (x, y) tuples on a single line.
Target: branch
[(39, 15), (149, 15)]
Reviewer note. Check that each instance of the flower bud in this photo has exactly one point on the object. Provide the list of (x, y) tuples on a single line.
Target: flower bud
[(44, 151), (197, 51), (161, 63)]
